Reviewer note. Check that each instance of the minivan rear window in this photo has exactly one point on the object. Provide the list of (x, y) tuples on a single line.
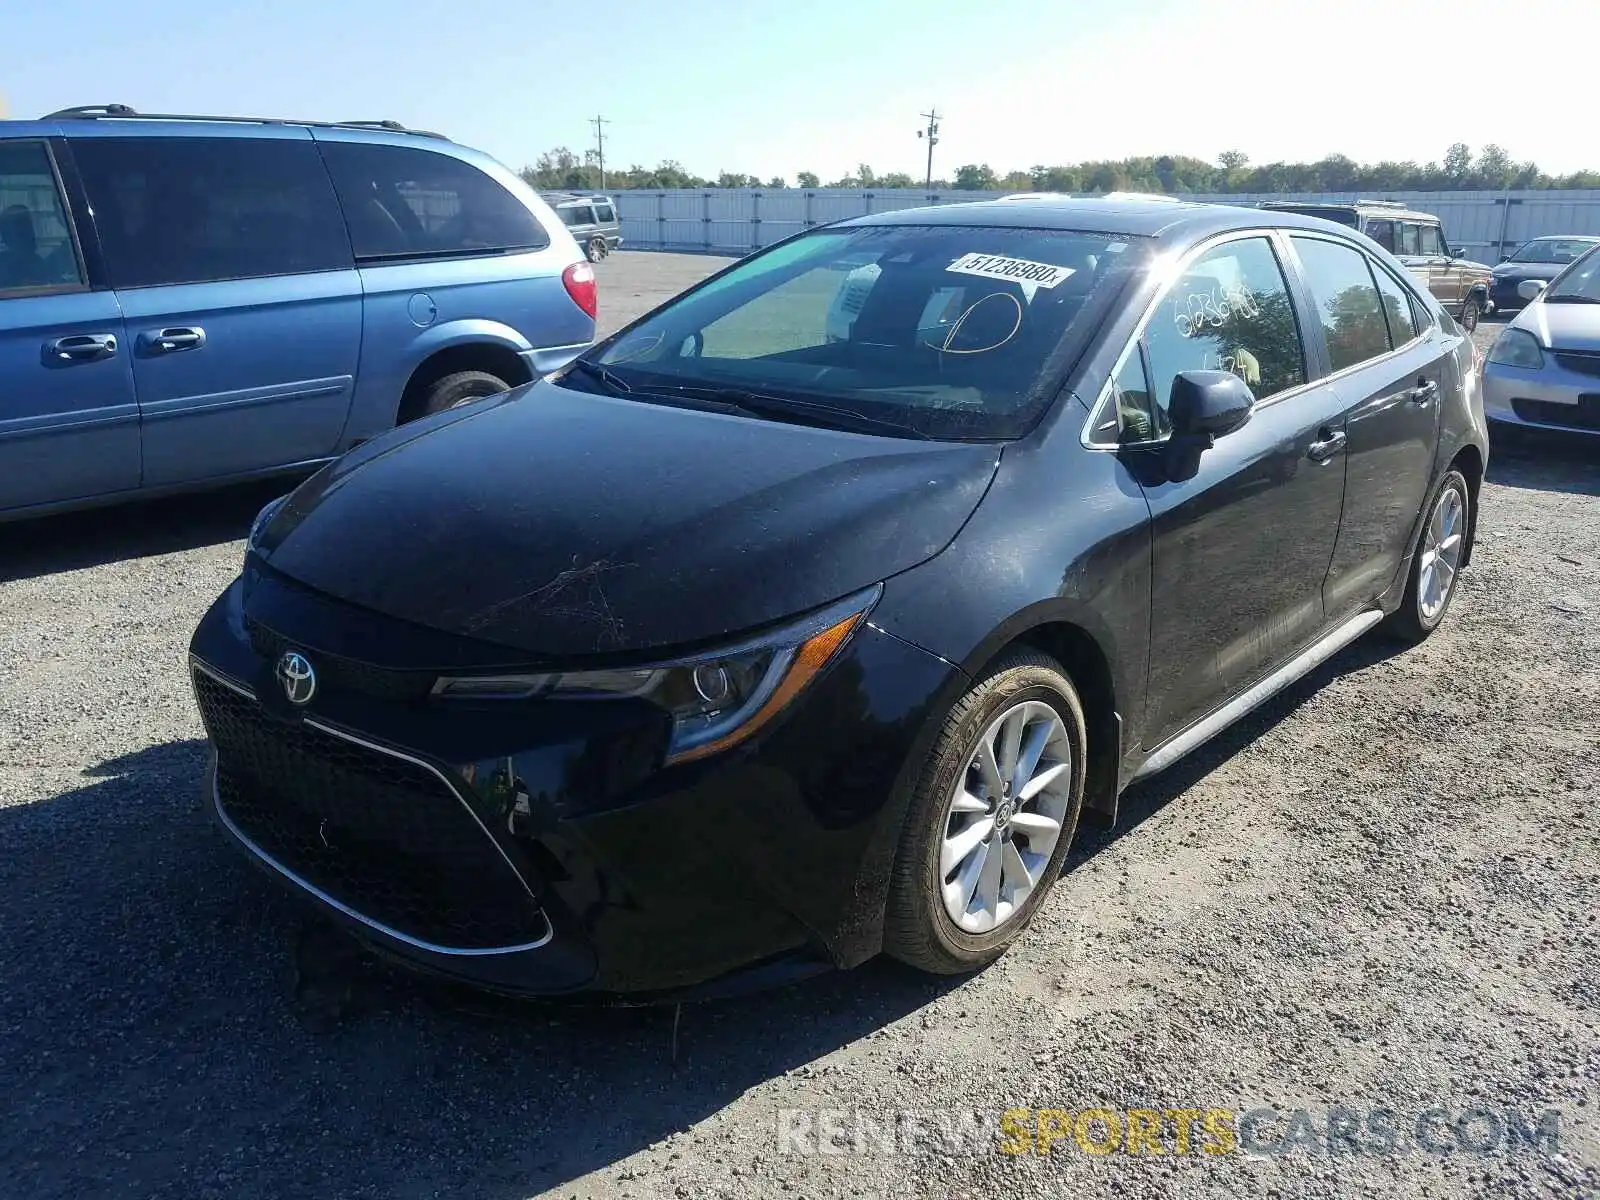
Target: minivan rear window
[(406, 203), (198, 209)]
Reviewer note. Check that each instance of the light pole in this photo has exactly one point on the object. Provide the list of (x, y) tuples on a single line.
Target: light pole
[(932, 134), (599, 124)]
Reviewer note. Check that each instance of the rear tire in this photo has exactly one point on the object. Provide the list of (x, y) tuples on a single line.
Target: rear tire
[(952, 798), (1435, 562), (460, 387), (1471, 310)]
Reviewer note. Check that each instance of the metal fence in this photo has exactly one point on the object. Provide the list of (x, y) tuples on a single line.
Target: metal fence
[(1482, 225)]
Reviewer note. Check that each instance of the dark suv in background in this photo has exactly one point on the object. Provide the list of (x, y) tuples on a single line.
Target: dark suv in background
[(1418, 240)]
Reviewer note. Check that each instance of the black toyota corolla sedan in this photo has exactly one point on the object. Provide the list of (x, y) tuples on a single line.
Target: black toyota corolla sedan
[(800, 620)]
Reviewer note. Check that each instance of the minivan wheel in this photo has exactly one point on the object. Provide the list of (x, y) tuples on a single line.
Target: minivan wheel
[(990, 820), (1436, 565), (596, 249), (1471, 307), (461, 387)]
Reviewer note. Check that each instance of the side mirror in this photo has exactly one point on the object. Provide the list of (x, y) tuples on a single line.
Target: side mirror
[(693, 345), (1529, 289), (1203, 406), (1207, 405)]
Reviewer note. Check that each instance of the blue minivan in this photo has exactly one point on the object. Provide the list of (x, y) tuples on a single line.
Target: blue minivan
[(187, 301)]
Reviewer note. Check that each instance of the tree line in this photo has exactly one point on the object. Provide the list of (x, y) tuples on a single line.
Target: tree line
[(1491, 168)]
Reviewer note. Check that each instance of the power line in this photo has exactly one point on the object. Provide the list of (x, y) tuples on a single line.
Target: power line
[(932, 134), (599, 124)]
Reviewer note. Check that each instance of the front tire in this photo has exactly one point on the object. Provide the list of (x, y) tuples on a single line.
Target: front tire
[(1436, 562), (990, 820), (595, 250)]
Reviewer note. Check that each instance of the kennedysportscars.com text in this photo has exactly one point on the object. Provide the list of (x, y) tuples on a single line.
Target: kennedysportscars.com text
[(1182, 1130)]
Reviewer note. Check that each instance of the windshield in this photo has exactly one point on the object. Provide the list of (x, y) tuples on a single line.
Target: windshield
[(1552, 250), (957, 332), (1581, 281)]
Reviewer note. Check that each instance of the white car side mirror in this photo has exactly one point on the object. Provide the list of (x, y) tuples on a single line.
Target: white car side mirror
[(1529, 289)]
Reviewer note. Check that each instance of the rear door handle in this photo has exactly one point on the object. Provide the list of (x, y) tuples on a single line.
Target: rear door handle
[(171, 341), (82, 347), (1425, 393), (1326, 446)]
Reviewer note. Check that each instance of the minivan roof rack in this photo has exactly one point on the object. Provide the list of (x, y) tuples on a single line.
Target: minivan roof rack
[(99, 112)]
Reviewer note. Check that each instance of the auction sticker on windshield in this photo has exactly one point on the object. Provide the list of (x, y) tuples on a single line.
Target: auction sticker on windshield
[(1018, 270)]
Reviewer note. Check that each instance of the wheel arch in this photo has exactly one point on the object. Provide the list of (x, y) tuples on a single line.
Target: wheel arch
[(495, 357), (1087, 664), (1469, 461)]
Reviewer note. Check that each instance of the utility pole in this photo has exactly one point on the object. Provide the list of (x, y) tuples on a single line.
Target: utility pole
[(932, 134), (599, 124)]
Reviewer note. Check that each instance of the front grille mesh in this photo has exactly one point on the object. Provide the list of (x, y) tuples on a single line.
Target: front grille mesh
[(383, 836)]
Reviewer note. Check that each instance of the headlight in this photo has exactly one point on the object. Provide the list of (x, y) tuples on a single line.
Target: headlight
[(1517, 348), (716, 699), (268, 511)]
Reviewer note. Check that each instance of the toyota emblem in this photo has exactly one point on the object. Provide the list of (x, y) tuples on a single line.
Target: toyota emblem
[(298, 678)]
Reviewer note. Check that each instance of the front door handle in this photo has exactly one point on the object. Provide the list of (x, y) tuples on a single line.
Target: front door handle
[(171, 341), (1425, 393), (1329, 443), (81, 347)]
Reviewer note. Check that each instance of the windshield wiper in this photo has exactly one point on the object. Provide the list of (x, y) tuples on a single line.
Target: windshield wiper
[(763, 404), (1572, 298), (609, 379)]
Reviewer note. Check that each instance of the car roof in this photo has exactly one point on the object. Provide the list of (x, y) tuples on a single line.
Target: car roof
[(1165, 218), (83, 119)]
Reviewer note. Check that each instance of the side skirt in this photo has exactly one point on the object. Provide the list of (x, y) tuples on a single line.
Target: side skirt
[(1303, 663)]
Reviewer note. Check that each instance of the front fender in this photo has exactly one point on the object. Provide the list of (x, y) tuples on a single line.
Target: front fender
[(1061, 538)]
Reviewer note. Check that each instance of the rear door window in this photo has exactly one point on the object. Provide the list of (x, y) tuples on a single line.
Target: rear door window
[(37, 252), (1230, 311), (1346, 301), (1397, 308), (1410, 242), (195, 210), (411, 203)]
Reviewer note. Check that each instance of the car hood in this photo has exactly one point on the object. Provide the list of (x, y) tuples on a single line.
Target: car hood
[(1516, 270), (1562, 326), (561, 523)]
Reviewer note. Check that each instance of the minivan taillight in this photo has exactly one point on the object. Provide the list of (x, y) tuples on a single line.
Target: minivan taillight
[(578, 279)]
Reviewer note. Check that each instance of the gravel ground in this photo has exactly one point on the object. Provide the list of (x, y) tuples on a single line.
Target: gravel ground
[(1379, 891)]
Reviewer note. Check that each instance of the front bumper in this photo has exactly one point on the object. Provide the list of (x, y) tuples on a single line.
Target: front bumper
[(1550, 397), (543, 849), (1503, 294)]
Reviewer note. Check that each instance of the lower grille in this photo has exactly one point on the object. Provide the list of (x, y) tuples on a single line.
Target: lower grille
[(1585, 414), (380, 835)]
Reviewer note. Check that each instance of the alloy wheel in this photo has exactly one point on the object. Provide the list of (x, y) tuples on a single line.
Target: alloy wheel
[(1442, 544), (1004, 816)]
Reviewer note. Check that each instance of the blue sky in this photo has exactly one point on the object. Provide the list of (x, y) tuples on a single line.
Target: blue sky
[(822, 85)]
